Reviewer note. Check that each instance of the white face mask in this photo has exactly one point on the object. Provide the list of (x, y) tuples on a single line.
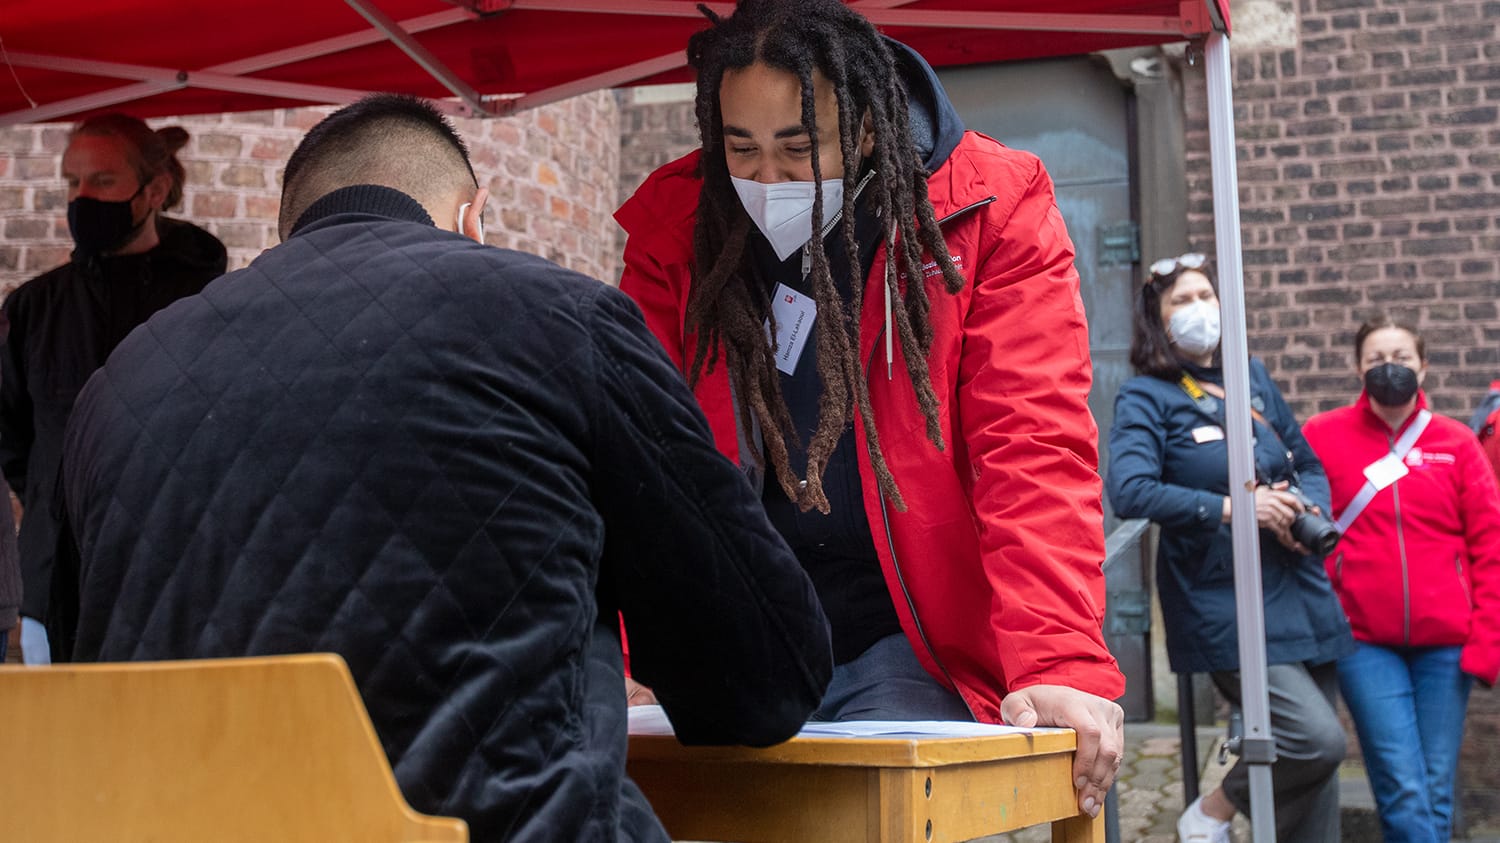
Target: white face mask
[(783, 211), (1195, 328)]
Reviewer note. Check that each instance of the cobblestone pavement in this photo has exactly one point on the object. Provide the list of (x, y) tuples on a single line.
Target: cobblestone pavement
[(1150, 786), (1150, 791)]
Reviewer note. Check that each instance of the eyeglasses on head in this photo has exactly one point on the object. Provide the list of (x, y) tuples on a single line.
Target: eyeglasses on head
[(1167, 266)]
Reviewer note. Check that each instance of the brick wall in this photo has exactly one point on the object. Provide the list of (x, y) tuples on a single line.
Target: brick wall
[(1369, 180), (552, 174), (657, 125)]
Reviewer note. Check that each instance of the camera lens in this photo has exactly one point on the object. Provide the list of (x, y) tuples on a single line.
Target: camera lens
[(1316, 533)]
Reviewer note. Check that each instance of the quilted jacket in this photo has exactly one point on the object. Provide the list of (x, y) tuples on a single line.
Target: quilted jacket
[(1420, 565), (994, 570), (446, 462), (62, 326)]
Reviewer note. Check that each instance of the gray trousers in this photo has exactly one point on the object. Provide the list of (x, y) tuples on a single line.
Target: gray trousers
[(1310, 744)]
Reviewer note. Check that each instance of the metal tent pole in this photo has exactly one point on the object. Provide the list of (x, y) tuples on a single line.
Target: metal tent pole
[(1257, 746), (1187, 730)]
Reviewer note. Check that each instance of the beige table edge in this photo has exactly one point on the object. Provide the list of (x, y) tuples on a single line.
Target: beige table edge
[(891, 790)]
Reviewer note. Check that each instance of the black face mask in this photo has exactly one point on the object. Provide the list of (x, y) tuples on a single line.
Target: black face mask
[(101, 227), (1391, 384)]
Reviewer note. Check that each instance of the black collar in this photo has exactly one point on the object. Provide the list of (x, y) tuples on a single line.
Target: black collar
[(373, 199)]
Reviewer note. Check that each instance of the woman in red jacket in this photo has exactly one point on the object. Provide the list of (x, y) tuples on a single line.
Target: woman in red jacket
[(918, 422), (1418, 573)]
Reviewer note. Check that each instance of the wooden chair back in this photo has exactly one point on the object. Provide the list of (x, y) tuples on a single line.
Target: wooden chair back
[(256, 749)]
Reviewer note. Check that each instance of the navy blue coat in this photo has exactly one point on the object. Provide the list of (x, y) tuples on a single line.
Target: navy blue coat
[(1159, 470), (453, 465)]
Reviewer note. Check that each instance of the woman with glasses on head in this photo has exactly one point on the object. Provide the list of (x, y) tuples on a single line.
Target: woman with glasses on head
[(1418, 572), (1169, 463)]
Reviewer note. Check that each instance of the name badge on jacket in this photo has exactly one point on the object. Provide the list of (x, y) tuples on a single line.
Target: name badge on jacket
[(1208, 433), (794, 314), (1385, 471)]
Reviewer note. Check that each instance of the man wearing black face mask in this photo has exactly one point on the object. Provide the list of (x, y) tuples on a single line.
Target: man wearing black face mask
[(128, 262), (102, 227)]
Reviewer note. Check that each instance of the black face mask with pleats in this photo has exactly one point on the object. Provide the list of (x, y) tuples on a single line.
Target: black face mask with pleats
[(1390, 384)]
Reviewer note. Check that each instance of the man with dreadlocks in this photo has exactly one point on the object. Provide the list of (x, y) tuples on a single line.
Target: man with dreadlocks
[(909, 389)]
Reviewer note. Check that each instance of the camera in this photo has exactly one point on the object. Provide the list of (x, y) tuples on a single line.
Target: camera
[(1315, 532)]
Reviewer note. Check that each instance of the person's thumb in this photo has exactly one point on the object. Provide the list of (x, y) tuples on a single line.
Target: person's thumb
[(1020, 711)]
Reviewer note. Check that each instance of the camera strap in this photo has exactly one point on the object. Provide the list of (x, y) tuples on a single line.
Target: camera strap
[(1398, 453), (1208, 398), (1200, 393)]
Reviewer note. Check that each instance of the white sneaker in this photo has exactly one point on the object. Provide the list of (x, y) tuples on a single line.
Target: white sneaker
[(1194, 826)]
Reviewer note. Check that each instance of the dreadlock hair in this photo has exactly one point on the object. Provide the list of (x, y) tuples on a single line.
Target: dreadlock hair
[(730, 302)]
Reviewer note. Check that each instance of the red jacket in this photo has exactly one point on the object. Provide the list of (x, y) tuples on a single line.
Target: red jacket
[(1421, 565), (1489, 440), (995, 567)]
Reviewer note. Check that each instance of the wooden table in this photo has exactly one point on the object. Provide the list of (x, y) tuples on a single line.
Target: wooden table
[(891, 790)]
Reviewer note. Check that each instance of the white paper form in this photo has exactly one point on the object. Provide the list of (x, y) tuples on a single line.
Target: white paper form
[(651, 720)]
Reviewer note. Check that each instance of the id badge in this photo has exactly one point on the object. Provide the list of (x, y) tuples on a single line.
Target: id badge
[(1208, 433), (794, 314), (1385, 471)]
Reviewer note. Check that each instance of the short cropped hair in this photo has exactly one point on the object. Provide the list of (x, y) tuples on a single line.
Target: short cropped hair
[(394, 140)]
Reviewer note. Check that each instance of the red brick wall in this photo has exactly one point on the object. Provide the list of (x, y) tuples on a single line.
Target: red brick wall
[(657, 125), (1369, 180), (1369, 166), (552, 174)]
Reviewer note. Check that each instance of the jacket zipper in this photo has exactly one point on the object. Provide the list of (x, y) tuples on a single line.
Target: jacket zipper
[(885, 517), (1338, 570), (1401, 548), (890, 544), (1463, 582), (964, 210)]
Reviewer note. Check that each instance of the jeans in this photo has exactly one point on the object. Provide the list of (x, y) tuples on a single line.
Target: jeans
[(1408, 705), (886, 682), (1310, 744), (34, 646)]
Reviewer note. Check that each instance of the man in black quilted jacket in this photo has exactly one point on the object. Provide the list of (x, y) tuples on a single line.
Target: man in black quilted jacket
[(453, 464)]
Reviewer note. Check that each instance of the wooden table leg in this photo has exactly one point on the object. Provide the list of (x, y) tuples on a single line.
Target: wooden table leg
[(1079, 829)]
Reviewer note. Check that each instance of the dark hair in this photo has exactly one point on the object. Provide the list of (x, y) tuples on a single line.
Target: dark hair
[(150, 153), (1151, 350), (397, 140), (729, 302), (1381, 321)]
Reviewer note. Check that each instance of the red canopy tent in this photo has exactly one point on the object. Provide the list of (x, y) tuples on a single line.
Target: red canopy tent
[(169, 57), (494, 57)]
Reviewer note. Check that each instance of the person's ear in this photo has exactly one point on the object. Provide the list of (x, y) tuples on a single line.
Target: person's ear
[(156, 191), (471, 215), (866, 136)]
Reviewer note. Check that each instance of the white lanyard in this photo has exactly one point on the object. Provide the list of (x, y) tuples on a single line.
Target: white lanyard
[(1397, 454)]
